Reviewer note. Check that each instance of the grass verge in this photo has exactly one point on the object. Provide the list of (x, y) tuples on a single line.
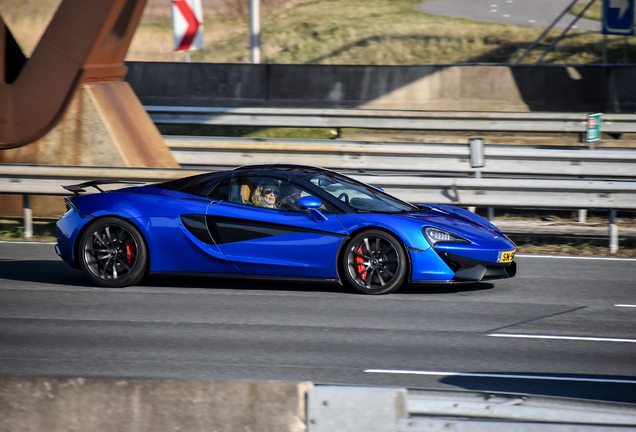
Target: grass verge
[(377, 32)]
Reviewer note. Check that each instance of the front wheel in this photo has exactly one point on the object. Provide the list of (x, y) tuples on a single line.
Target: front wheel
[(375, 262), (112, 253)]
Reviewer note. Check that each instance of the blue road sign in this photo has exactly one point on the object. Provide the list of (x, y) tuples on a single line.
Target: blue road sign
[(618, 17)]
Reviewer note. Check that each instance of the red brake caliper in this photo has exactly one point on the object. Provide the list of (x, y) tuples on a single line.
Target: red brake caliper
[(130, 250), (359, 266)]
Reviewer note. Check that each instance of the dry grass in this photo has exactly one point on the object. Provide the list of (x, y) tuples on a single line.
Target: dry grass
[(389, 32), (576, 248)]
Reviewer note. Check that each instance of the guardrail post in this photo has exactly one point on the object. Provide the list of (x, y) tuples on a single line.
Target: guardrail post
[(582, 215), (476, 159), (28, 216), (613, 233)]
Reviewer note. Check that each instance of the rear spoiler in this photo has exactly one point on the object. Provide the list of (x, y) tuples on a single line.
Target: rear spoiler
[(79, 188)]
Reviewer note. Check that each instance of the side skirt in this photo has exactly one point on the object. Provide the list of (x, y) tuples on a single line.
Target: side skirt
[(252, 277)]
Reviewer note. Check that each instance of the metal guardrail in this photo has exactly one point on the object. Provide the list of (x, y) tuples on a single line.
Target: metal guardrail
[(48, 180), (377, 409), (418, 159), (388, 119), (478, 192)]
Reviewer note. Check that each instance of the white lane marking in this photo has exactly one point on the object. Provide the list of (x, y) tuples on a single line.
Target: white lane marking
[(493, 375), (574, 257), (578, 338), (625, 305)]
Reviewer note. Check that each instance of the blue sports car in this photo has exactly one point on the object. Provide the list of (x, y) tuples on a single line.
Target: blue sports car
[(277, 221)]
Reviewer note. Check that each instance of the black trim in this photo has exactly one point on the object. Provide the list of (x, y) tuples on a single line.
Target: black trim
[(467, 262), (334, 281), (231, 230), (197, 226)]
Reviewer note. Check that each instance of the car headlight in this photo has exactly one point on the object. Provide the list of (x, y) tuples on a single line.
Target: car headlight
[(436, 235)]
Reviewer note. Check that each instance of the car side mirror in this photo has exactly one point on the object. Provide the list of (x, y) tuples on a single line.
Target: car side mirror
[(309, 202), (313, 204)]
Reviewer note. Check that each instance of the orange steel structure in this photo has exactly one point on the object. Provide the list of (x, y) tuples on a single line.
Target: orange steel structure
[(68, 104), (84, 45)]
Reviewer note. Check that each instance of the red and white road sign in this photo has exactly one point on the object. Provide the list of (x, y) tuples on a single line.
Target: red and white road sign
[(187, 25)]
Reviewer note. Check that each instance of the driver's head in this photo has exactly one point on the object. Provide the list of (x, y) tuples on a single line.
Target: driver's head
[(292, 192)]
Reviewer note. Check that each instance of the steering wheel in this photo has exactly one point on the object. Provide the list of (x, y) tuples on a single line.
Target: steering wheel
[(345, 196)]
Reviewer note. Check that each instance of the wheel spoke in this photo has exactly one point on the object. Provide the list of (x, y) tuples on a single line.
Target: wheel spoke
[(366, 244), (109, 238), (104, 268), (120, 235), (103, 257), (99, 239), (389, 272), (367, 279), (377, 272), (96, 251), (124, 264)]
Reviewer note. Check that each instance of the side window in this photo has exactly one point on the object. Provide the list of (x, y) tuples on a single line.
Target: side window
[(221, 192), (200, 185), (264, 192), (241, 190), (289, 196)]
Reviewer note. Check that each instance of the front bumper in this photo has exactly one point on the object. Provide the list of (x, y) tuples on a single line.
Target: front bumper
[(472, 270)]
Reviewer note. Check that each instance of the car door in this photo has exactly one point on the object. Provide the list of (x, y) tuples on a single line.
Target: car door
[(280, 241)]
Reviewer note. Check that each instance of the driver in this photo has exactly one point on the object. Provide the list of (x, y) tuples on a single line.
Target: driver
[(291, 197)]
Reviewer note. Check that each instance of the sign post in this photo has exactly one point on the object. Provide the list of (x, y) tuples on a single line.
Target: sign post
[(594, 128), (187, 26)]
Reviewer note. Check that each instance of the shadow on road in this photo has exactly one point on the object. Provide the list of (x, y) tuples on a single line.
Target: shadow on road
[(594, 387), (240, 283), (41, 271), (59, 273)]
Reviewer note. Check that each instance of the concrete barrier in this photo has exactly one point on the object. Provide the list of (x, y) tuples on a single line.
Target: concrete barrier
[(580, 88), (102, 405)]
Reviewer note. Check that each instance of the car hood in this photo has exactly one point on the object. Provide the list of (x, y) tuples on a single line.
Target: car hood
[(458, 221)]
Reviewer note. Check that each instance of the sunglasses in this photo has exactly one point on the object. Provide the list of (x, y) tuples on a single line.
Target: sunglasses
[(270, 191)]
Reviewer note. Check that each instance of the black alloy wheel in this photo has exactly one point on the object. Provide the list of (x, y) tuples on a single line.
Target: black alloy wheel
[(375, 262), (112, 253)]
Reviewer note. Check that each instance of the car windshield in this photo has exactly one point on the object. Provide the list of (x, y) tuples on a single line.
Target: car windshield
[(360, 196)]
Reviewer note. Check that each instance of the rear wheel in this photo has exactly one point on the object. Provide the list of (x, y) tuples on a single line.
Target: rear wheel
[(112, 253), (375, 262)]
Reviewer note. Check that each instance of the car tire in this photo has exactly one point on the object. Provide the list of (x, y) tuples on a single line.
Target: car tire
[(112, 253), (375, 262)]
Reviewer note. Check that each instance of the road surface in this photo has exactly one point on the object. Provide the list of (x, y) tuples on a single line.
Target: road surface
[(563, 327)]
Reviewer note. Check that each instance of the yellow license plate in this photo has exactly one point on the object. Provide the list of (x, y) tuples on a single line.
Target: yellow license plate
[(506, 257)]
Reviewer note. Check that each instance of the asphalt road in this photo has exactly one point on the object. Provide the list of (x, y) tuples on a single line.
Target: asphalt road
[(562, 327), (532, 13)]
